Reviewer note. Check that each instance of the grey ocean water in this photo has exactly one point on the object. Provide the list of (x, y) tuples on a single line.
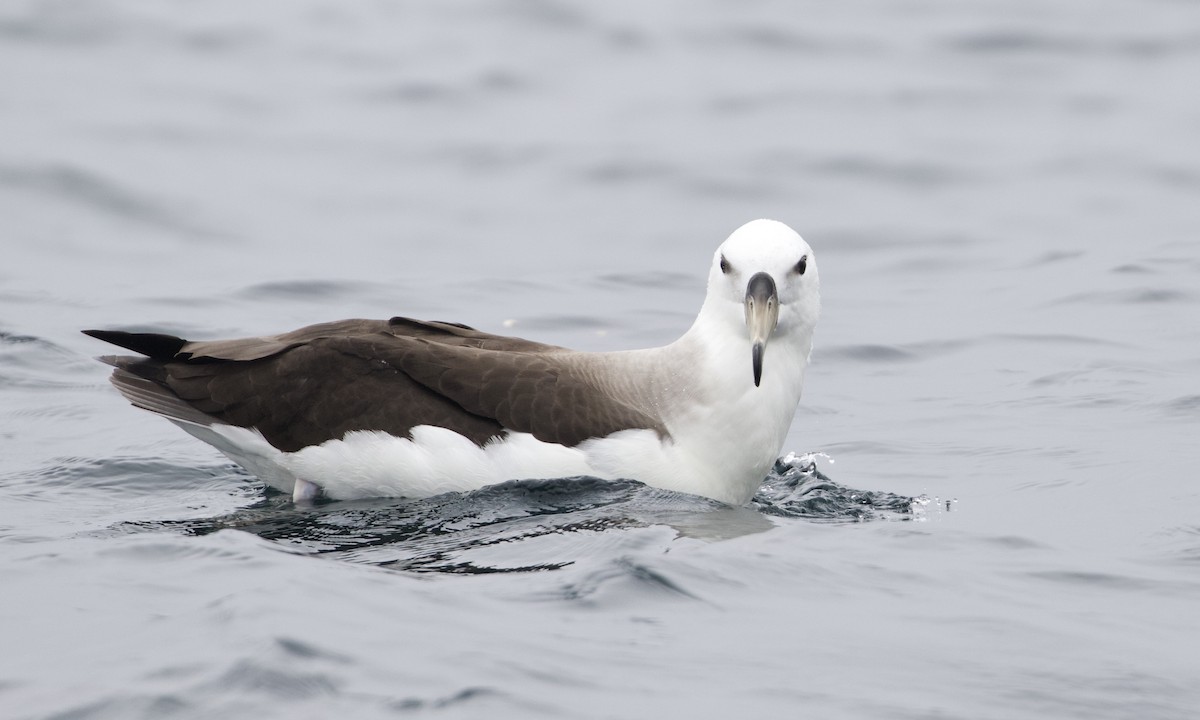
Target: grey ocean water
[(1005, 201)]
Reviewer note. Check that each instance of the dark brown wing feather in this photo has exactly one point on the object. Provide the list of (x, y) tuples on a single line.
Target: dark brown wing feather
[(555, 401), (320, 382)]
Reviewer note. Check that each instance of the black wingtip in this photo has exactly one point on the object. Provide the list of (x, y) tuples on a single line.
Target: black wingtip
[(153, 345)]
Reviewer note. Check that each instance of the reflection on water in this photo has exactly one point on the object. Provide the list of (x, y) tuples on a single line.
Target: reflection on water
[(539, 521)]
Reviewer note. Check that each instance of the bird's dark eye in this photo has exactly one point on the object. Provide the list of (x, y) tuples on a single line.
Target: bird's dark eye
[(725, 265), (802, 265)]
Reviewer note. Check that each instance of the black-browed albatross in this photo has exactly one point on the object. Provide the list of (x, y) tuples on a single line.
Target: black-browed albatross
[(407, 408)]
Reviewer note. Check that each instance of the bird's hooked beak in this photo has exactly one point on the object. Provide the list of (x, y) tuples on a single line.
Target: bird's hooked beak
[(762, 314)]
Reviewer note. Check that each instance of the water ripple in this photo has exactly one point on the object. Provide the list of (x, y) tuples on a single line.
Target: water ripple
[(650, 280), (62, 23), (1136, 296), (1026, 42), (867, 353), (635, 578), (538, 525), (1185, 405), (314, 290), (254, 677), (32, 362), (462, 696), (88, 189)]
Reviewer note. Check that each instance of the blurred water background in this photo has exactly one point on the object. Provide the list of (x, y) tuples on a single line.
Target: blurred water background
[(1005, 201)]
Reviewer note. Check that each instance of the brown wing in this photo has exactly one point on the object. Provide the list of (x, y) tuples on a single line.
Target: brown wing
[(553, 397), (320, 382)]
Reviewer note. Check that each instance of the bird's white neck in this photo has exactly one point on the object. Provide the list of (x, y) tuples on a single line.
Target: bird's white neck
[(735, 429)]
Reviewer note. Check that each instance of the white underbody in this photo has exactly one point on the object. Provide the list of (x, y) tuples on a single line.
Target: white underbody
[(366, 464), (435, 460)]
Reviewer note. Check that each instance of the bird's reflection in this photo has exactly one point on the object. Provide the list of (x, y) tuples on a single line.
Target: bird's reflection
[(532, 525)]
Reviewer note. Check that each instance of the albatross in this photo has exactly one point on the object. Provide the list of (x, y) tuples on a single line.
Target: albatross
[(411, 408)]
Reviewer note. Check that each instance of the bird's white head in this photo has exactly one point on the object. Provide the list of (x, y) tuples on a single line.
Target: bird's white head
[(764, 286)]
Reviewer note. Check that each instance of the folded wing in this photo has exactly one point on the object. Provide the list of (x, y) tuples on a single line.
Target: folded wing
[(320, 382)]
